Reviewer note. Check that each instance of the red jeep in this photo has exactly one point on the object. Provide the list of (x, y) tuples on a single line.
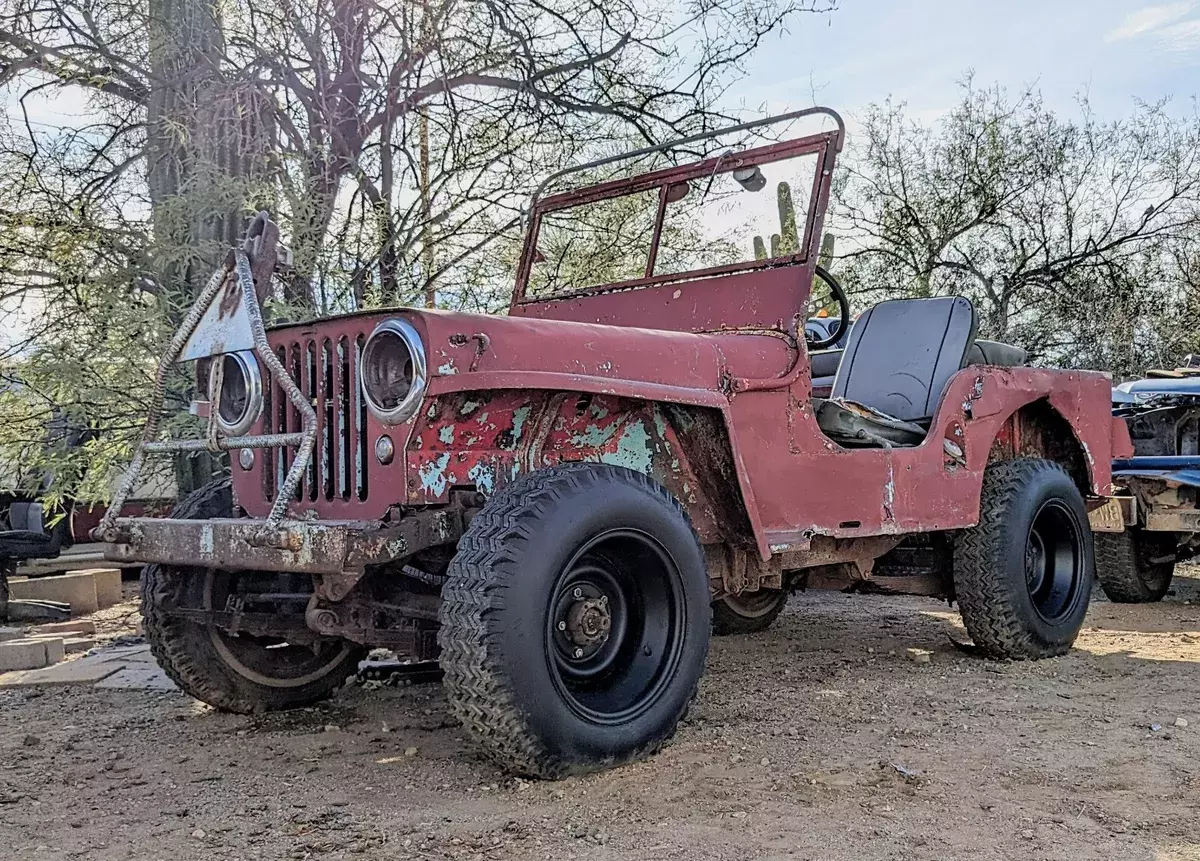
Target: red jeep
[(561, 503)]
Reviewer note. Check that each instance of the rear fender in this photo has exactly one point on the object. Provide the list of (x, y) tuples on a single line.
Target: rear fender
[(484, 440), (1039, 429)]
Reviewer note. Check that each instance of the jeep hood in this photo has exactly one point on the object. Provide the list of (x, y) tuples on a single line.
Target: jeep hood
[(480, 351)]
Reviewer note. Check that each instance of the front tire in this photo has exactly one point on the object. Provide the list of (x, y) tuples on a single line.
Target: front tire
[(575, 621), (242, 674), (1135, 566), (748, 613), (1023, 576)]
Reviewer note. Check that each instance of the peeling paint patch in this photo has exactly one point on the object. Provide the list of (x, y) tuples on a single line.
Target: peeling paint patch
[(889, 494), (484, 476), (446, 434), (520, 416), (633, 449), (447, 368), (469, 407), (433, 475), (594, 436)]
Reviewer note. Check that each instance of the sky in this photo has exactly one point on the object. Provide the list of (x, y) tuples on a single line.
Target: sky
[(917, 51)]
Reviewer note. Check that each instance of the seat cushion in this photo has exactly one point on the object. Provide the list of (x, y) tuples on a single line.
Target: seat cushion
[(997, 354), (902, 352), (823, 365), (852, 424)]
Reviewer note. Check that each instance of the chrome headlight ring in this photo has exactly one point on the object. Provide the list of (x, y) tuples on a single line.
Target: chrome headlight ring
[(241, 381), (392, 371)]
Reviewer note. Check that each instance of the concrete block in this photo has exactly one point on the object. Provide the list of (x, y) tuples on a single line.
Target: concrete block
[(7, 633), (78, 590), (108, 585), (126, 654), (81, 672), (75, 645), (23, 655), (56, 650), (78, 626), (139, 678)]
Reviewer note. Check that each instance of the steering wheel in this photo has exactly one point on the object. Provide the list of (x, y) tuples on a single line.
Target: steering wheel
[(843, 311)]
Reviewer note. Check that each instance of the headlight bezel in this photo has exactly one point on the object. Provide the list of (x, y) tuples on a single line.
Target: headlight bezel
[(411, 402), (247, 364)]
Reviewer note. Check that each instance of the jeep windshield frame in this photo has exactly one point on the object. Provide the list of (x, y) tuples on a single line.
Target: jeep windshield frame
[(823, 145)]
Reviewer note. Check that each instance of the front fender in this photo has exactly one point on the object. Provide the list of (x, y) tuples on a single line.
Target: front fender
[(486, 439)]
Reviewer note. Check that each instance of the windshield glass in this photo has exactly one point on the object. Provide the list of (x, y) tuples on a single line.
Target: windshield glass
[(735, 213)]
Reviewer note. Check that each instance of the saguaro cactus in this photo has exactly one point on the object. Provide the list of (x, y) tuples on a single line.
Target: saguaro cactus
[(825, 260), (787, 240)]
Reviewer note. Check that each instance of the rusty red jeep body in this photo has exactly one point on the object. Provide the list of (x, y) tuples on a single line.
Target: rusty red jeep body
[(696, 376)]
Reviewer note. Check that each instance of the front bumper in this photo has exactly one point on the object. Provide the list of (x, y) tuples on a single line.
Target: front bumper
[(340, 550)]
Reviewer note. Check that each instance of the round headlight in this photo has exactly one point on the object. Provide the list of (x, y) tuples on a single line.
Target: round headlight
[(241, 392), (393, 371)]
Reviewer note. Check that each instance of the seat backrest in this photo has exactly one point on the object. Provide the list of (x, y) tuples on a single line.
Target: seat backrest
[(902, 352), (995, 353)]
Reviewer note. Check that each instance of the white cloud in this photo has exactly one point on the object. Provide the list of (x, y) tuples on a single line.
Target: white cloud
[(1184, 36), (1151, 19)]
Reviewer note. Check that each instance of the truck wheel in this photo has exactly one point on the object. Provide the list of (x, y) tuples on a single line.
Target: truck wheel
[(1023, 576), (747, 613), (575, 620), (1134, 566), (243, 674)]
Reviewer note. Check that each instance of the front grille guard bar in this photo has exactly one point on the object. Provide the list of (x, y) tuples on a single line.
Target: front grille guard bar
[(269, 534)]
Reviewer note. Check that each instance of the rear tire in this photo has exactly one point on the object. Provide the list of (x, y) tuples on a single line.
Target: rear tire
[(748, 613), (575, 621), (1023, 576), (242, 674), (1135, 566)]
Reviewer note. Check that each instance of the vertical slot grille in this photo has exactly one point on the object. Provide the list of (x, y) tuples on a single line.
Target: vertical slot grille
[(360, 426), (326, 370), (326, 427), (342, 450)]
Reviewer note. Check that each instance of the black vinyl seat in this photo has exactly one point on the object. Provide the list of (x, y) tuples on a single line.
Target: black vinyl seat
[(897, 361), (996, 354), (823, 365)]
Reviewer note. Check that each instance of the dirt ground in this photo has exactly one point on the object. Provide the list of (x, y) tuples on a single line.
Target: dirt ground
[(821, 739)]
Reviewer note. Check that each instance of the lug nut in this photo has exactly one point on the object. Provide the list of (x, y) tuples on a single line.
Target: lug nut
[(562, 626), (579, 653), (578, 592)]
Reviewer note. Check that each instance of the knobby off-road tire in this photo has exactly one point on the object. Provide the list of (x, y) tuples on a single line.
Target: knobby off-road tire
[(748, 613), (1023, 576), (1135, 566), (238, 674), (551, 560)]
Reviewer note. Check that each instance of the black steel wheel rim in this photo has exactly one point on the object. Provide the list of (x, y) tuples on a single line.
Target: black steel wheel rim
[(615, 626), (1054, 561)]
